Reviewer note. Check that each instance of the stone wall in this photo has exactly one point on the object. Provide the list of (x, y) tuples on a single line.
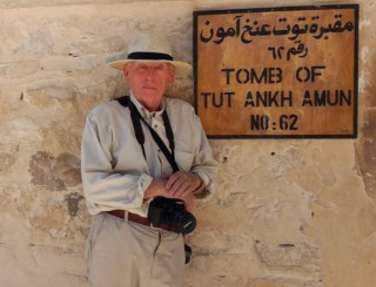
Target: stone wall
[(295, 213)]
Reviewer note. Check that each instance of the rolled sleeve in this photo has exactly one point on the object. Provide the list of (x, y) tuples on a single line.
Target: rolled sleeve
[(104, 188), (143, 182), (204, 177), (204, 164)]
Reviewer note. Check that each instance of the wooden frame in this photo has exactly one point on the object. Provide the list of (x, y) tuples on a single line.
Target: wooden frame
[(274, 130)]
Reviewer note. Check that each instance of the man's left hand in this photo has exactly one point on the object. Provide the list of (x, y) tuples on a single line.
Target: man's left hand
[(181, 183)]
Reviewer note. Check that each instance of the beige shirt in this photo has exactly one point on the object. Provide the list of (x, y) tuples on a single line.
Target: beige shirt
[(114, 171)]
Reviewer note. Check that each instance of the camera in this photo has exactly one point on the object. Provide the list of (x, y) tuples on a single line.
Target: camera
[(171, 211)]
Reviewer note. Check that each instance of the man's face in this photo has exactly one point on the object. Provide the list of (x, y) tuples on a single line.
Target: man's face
[(149, 81)]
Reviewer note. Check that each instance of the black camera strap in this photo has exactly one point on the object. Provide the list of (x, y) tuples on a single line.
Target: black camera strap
[(137, 127), (125, 101)]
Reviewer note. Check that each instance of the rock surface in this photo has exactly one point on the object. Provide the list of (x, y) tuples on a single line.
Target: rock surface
[(295, 213)]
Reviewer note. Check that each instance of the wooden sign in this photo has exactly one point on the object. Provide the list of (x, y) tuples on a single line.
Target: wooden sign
[(287, 72)]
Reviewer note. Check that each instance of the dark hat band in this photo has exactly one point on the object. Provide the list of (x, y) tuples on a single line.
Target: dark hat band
[(149, 56)]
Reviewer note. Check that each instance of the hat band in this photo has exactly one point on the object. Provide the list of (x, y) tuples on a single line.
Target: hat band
[(149, 56)]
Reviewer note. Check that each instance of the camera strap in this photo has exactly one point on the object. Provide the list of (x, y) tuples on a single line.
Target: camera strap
[(126, 102), (137, 127)]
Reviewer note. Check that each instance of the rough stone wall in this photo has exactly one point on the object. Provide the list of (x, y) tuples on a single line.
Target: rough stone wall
[(286, 213)]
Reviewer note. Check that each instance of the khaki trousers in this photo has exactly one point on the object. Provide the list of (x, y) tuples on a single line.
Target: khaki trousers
[(122, 253)]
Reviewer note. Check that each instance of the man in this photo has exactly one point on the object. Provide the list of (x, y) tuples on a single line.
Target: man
[(124, 169)]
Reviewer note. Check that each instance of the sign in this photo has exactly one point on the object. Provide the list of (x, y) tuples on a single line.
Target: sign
[(288, 72)]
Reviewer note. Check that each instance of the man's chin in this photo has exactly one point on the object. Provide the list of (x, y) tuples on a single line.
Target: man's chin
[(151, 92)]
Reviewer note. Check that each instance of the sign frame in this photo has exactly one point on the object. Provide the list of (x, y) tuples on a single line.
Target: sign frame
[(355, 7)]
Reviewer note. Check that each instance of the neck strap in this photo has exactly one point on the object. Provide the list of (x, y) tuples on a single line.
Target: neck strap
[(137, 127)]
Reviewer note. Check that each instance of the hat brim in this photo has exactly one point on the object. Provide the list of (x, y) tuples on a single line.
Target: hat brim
[(181, 68)]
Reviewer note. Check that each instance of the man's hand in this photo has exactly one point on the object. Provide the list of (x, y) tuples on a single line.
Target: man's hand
[(189, 201), (182, 183), (156, 188)]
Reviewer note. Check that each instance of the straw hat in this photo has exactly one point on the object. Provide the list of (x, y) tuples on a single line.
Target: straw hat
[(148, 48)]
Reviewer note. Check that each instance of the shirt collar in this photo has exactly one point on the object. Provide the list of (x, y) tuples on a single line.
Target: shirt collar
[(144, 111)]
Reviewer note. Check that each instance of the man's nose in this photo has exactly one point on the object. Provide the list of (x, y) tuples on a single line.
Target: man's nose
[(150, 74)]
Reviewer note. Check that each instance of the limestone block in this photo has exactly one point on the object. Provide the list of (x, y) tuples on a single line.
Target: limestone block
[(240, 4), (6, 161), (283, 213), (55, 174), (52, 72), (282, 282), (289, 256), (38, 266), (11, 4)]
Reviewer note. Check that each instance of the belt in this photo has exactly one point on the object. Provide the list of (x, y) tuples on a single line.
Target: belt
[(140, 220)]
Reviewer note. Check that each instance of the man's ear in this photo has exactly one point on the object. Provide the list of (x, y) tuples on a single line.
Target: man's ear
[(171, 74), (126, 71)]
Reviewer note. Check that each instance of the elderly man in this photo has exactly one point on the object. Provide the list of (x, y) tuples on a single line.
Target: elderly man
[(136, 149)]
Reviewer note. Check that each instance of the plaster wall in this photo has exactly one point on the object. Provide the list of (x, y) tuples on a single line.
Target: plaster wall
[(285, 213)]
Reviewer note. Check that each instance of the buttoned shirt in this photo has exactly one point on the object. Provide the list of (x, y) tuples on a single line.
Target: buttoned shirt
[(115, 174)]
